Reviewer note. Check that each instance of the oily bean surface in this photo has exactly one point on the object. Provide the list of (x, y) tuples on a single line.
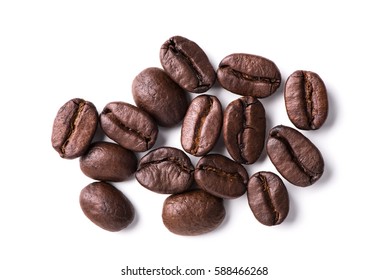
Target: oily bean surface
[(193, 213), (221, 176), (244, 129), (201, 125), (187, 64), (165, 170), (306, 100), (268, 198), (297, 159), (157, 94), (106, 206), (108, 161), (74, 127), (247, 74), (129, 126)]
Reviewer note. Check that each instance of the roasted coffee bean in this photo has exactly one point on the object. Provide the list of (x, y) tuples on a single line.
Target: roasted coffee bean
[(106, 206), (221, 176), (244, 129), (74, 128), (156, 93), (202, 124), (107, 161), (187, 64), (129, 126), (248, 74), (192, 213), (268, 198), (297, 159), (165, 170), (306, 100)]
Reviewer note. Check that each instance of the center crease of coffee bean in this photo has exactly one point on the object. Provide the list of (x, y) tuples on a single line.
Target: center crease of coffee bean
[(73, 124), (199, 127), (173, 160), (221, 172), (268, 198), (252, 78), (308, 99)]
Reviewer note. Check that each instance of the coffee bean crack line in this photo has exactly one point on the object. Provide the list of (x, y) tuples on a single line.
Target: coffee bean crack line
[(174, 160), (240, 142), (221, 172), (307, 89), (199, 126), (252, 78), (268, 198)]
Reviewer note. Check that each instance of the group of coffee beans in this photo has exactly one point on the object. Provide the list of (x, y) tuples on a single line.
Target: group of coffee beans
[(196, 193)]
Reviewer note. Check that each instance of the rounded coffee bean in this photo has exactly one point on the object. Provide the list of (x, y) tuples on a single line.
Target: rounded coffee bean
[(107, 161), (297, 159), (156, 93), (74, 128), (165, 170), (306, 100), (187, 64), (192, 213), (129, 126), (106, 206), (221, 176), (248, 74), (244, 129), (268, 198), (202, 124)]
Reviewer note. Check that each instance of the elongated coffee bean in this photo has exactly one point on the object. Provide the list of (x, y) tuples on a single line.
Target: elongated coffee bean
[(187, 64), (306, 100), (74, 128), (129, 126), (201, 125), (268, 198), (297, 159), (248, 74), (244, 129)]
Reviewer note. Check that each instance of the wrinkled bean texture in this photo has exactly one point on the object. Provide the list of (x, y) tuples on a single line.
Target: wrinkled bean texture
[(296, 158), (107, 161), (74, 127), (193, 213), (165, 170), (248, 74), (306, 100), (268, 198), (187, 64), (129, 126), (106, 206), (244, 129), (157, 94), (201, 125), (221, 176)]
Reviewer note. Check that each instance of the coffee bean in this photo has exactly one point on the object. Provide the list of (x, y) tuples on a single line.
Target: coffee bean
[(306, 100), (268, 198), (74, 128), (187, 64), (221, 176), (248, 74), (244, 129), (297, 159), (192, 213), (202, 124), (106, 206), (107, 161), (157, 94), (129, 126)]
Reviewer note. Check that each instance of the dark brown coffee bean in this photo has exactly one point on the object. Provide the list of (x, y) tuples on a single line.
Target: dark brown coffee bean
[(165, 170), (129, 126), (192, 213), (297, 159), (248, 74), (156, 93), (221, 176), (187, 64), (244, 129), (268, 198), (202, 124), (74, 128), (306, 100), (106, 206), (107, 161)]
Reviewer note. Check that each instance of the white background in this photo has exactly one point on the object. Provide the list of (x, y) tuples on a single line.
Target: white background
[(52, 51)]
